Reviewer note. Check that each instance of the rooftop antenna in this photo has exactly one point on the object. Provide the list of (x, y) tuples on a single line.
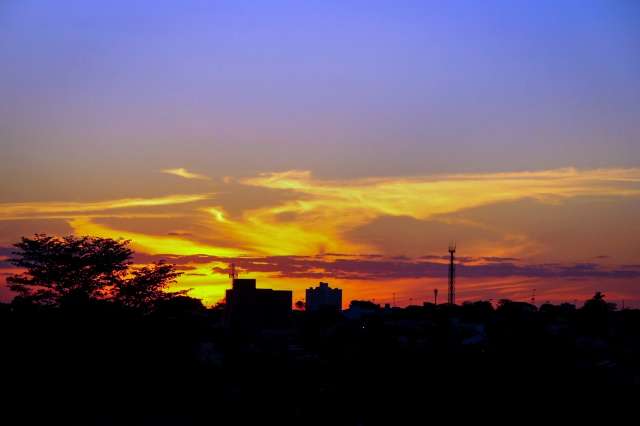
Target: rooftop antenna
[(451, 296), (233, 274)]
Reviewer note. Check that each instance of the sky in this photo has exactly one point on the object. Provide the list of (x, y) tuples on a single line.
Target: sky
[(339, 141)]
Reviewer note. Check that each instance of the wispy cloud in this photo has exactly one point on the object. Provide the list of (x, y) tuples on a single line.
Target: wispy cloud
[(336, 207), (426, 196), (54, 209), (323, 216), (184, 173), (507, 224), (361, 267)]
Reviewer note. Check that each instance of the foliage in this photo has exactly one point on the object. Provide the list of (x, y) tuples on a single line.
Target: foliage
[(598, 305), (75, 270), (147, 286), (70, 267)]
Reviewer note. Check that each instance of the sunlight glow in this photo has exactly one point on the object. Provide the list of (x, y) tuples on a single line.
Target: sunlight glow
[(319, 216)]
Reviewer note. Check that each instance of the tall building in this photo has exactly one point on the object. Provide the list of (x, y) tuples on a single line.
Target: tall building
[(323, 297), (250, 307)]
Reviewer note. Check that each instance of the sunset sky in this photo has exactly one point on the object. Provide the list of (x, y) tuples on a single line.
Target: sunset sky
[(339, 141)]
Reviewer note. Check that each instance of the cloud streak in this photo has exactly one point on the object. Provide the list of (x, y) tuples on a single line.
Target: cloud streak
[(322, 216), (427, 196), (278, 223), (54, 210), (184, 173), (384, 268)]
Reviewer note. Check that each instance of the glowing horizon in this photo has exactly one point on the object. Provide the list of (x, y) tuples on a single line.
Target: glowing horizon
[(339, 220)]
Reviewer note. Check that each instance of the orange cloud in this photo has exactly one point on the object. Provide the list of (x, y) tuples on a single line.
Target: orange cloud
[(325, 213), (338, 207), (387, 215)]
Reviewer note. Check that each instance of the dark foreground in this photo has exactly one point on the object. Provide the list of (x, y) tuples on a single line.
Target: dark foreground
[(100, 364)]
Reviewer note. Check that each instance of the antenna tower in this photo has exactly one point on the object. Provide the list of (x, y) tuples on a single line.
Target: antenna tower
[(451, 296), (233, 274)]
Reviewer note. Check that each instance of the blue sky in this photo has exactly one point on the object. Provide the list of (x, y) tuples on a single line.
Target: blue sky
[(341, 88)]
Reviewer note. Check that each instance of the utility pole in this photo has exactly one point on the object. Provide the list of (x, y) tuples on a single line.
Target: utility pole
[(451, 296)]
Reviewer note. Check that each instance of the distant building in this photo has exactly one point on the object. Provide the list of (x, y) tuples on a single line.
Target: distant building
[(323, 297), (250, 307)]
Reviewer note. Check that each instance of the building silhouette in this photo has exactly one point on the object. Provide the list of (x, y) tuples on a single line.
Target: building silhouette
[(251, 307), (323, 297)]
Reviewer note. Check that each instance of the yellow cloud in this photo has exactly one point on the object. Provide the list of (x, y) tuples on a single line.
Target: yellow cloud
[(321, 218), (58, 210), (426, 196), (331, 208), (184, 173), (152, 244), (321, 214)]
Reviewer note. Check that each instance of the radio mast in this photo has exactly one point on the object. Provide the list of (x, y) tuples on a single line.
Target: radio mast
[(451, 296)]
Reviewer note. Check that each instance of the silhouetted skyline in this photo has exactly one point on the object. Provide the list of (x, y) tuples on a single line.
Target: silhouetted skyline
[(92, 339)]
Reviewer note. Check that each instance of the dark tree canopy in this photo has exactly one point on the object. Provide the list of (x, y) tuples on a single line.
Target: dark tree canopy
[(58, 268), (598, 304), (179, 305), (77, 269), (146, 286)]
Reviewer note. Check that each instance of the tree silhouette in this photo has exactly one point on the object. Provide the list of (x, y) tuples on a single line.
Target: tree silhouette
[(75, 270), (146, 286), (597, 304), (68, 268), (179, 305)]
